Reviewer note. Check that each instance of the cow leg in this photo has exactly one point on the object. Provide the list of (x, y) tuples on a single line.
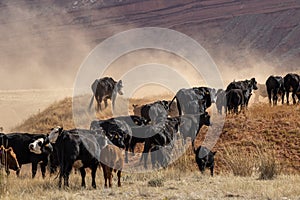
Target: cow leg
[(132, 147), (18, 172), (119, 178), (146, 150), (294, 97), (105, 103), (110, 176), (83, 174), (126, 153), (66, 174), (33, 169), (104, 174), (43, 169), (212, 170), (282, 98), (287, 97), (275, 97), (60, 178), (94, 169), (113, 99), (269, 96)]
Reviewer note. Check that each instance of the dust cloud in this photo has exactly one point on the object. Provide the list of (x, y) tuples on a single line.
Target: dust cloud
[(36, 50)]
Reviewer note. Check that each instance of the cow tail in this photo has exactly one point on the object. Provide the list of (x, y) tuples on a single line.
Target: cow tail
[(91, 102), (171, 102)]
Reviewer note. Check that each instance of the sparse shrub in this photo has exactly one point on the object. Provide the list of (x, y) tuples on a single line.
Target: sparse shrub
[(157, 182), (268, 167), (239, 161)]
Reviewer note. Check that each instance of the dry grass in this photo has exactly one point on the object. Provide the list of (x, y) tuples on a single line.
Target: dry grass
[(191, 185), (263, 143)]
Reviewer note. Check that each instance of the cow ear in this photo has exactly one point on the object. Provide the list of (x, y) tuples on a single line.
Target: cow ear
[(60, 129), (214, 153)]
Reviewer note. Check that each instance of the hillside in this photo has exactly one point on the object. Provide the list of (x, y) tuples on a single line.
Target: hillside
[(263, 131), (39, 37)]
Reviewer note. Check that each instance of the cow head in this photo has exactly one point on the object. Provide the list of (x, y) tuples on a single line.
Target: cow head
[(55, 132), (117, 139), (9, 159), (254, 83), (118, 87), (213, 95), (40, 146), (205, 119)]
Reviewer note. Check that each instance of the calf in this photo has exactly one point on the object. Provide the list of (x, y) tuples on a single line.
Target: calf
[(204, 159), (8, 159), (111, 159)]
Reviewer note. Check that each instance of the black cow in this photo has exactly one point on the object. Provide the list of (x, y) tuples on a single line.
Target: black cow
[(275, 87), (209, 94), (104, 89), (155, 110), (125, 127), (190, 125), (221, 100), (235, 98), (77, 148), (244, 86), (193, 100), (161, 156), (160, 134), (292, 84), (204, 159), (20, 142)]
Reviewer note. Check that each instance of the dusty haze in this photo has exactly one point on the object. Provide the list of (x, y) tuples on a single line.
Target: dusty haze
[(44, 43)]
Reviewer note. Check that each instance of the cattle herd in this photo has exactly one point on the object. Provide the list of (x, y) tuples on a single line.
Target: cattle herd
[(156, 125)]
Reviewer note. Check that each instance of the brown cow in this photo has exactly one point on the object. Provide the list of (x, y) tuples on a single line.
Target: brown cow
[(9, 159), (111, 158)]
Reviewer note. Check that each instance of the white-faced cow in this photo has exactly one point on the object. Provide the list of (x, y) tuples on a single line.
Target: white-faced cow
[(104, 89), (20, 142)]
